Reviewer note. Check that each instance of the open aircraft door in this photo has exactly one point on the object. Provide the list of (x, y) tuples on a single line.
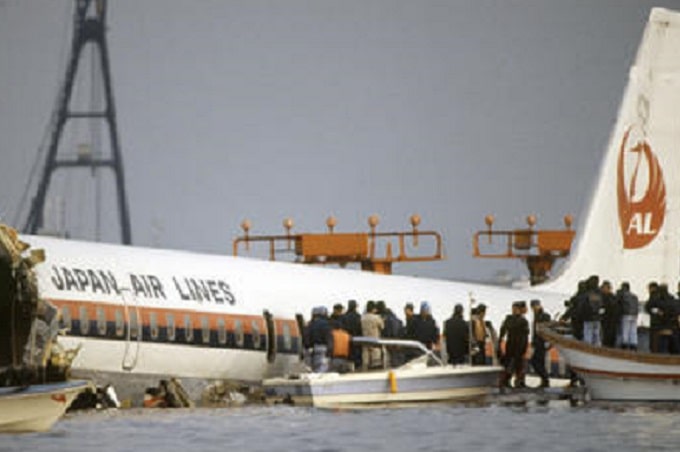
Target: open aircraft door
[(133, 330), (271, 336)]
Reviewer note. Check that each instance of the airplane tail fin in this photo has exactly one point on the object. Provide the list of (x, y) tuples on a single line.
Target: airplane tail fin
[(632, 229)]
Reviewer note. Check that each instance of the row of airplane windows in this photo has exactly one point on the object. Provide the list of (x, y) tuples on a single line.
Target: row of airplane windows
[(85, 327)]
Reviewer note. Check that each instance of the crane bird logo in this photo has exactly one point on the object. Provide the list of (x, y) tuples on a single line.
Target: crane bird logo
[(641, 212)]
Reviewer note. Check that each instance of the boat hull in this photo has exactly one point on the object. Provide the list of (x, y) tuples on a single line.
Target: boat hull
[(398, 386), (37, 407), (612, 374)]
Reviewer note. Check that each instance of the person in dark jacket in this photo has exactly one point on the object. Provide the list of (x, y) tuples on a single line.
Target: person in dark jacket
[(538, 344), (591, 310), (457, 335), (629, 305), (480, 332), (351, 322), (611, 318), (653, 308), (425, 328), (409, 317), (393, 326), (337, 316), (320, 339), (573, 312), (668, 310), (516, 327)]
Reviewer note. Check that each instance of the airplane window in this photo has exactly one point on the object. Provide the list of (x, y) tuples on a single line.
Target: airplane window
[(170, 325), (287, 340), (188, 329), (84, 321), (134, 325), (238, 332), (205, 326), (120, 323), (66, 317), (255, 325), (221, 331), (101, 322), (153, 325)]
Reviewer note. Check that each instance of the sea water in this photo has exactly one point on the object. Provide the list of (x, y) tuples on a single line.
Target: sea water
[(553, 427)]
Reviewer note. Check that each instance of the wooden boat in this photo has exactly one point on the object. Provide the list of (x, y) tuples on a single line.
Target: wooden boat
[(613, 374), (35, 408), (417, 381)]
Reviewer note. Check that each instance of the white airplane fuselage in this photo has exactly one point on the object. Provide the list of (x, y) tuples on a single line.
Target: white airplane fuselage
[(171, 313)]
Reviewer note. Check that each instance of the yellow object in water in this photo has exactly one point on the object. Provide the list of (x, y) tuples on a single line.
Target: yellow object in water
[(393, 382)]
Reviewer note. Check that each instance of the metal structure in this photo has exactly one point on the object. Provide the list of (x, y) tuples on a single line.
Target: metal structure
[(346, 248), (539, 249), (89, 26)]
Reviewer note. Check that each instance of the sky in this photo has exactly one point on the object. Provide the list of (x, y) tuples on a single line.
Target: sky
[(287, 108)]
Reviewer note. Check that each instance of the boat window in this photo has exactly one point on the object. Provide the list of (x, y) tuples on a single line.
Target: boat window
[(153, 325), (221, 331), (84, 321), (238, 333), (101, 322), (170, 326), (134, 325), (188, 329), (287, 340), (120, 323), (66, 318), (205, 327), (255, 325)]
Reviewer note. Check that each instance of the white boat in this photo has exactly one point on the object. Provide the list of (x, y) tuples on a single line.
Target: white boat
[(613, 374), (35, 408), (417, 381)]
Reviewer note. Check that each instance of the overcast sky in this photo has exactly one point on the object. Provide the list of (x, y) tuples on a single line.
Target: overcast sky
[(268, 109)]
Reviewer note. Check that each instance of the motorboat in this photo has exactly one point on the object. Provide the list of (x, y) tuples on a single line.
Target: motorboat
[(424, 379)]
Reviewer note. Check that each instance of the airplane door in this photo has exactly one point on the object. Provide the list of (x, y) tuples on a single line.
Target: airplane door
[(271, 336), (133, 330)]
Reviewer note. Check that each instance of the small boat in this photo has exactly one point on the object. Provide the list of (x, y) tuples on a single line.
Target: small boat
[(424, 379), (614, 374), (35, 408)]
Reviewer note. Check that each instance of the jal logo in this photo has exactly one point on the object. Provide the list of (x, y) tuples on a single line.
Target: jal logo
[(641, 191)]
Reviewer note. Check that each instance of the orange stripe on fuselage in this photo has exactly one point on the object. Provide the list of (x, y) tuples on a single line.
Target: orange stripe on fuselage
[(94, 310)]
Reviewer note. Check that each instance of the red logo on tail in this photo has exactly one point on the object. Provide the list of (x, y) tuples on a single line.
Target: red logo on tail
[(640, 217)]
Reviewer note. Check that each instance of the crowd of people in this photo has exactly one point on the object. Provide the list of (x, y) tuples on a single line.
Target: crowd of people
[(602, 317), (596, 313), (328, 337)]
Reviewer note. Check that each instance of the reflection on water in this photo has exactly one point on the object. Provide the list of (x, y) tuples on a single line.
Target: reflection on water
[(438, 428)]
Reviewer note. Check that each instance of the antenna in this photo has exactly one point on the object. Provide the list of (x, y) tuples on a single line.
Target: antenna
[(87, 28)]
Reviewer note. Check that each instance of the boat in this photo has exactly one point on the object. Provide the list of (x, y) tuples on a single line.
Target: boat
[(424, 379), (35, 388), (35, 408), (614, 374)]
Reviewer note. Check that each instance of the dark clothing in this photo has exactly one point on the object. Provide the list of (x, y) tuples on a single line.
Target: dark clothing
[(537, 360), (611, 319), (591, 306), (351, 322), (540, 317), (653, 308), (573, 315), (336, 320), (319, 332), (393, 325), (457, 332), (628, 302), (517, 329), (425, 330), (409, 331)]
